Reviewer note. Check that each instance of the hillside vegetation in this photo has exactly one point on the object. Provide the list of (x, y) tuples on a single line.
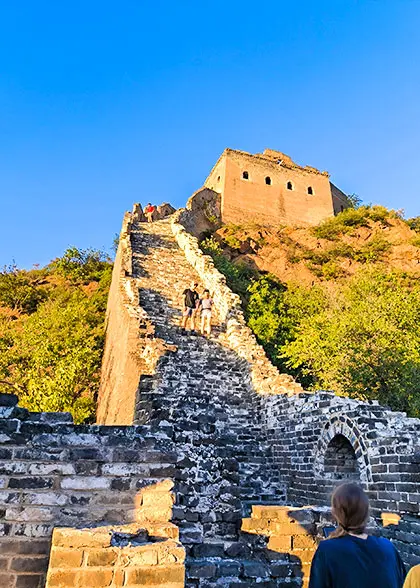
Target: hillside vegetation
[(337, 305), (52, 332)]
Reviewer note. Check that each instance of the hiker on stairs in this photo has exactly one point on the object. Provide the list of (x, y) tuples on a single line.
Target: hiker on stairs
[(190, 304), (206, 303)]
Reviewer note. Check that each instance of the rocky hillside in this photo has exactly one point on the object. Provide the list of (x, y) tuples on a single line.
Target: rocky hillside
[(335, 249)]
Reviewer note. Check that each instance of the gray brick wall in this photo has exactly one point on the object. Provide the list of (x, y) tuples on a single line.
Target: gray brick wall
[(54, 473)]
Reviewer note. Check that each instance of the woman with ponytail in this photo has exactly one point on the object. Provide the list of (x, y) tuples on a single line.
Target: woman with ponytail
[(350, 558)]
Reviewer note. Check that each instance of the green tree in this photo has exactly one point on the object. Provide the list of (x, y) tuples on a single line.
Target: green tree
[(238, 275), (366, 342), (274, 313), (81, 265), (51, 358), (354, 200)]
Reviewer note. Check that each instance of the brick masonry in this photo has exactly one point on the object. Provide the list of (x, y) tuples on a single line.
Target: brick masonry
[(270, 189), (210, 417), (126, 556), (54, 473)]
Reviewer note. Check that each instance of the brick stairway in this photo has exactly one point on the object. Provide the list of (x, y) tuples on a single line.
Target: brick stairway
[(201, 391)]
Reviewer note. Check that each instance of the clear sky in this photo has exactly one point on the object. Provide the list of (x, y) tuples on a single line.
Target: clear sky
[(103, 104)]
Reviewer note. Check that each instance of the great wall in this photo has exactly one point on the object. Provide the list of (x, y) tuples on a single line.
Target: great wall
[(207, 466)]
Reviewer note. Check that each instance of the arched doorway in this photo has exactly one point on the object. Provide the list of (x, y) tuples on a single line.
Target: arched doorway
[(340, 462)]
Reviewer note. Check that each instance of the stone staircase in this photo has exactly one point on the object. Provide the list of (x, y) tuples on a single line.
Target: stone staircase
[(201, 392)]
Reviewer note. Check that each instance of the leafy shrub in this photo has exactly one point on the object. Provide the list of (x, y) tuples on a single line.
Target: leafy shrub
[(294, 256), (19, 291), (381, 214), (316, 257), (232, 241), (373, 250), (238, 275), (331, 270), (415, 241), (351, 218), (85, 265), (414, 223)]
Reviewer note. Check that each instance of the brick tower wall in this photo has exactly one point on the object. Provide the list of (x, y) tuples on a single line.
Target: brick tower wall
[(251, 199)]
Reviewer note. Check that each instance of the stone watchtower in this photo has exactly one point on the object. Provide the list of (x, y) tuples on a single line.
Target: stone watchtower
[(271, 189)]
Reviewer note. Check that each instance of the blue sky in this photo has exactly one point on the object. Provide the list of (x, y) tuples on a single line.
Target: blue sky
[(103, 104)]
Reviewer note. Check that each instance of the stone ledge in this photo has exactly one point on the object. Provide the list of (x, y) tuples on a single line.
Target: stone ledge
[(122, 556)]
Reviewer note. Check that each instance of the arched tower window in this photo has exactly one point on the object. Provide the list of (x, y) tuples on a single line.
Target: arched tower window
[(340, 461), (218, 178), (268, 181), (289, 186), (245, 175), (310, 190)]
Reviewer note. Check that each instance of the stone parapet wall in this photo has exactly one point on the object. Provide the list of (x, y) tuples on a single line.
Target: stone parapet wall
[(54, 473), (265, 377), (120, 371), (292, 532), (127, 556), (131, 349), (315, 437), (204, 212)]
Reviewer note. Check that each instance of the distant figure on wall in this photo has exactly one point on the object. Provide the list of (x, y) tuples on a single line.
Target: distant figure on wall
[(149, 212), (350, 558), (190, 303)]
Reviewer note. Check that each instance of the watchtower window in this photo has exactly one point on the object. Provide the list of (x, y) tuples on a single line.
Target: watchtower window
[(268, 181), (289, 186), (245, 175), (218, 178), (310, 190), (342, 208), (340, 460)]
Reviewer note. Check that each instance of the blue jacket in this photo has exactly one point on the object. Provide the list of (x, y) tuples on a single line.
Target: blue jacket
[(351, 562)]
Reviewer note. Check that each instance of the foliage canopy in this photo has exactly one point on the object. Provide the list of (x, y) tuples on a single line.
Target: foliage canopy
[(52, 332)]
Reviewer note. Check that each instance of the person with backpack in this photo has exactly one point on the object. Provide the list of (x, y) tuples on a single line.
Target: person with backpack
[(190, 304), (350, 558)]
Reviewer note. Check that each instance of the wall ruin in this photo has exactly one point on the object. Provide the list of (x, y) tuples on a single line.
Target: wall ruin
[(54, 473), (220, 435)]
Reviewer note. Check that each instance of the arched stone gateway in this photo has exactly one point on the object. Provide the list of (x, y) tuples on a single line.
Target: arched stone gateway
[(341, 452)]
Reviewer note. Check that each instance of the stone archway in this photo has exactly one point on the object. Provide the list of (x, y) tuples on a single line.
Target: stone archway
[(340, 462), (341, 452)]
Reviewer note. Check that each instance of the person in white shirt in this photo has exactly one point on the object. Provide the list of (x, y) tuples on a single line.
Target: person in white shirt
[(206, 303)]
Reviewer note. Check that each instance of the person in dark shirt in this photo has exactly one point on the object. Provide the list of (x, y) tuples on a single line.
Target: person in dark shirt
[(190, 303), (350, 558)]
